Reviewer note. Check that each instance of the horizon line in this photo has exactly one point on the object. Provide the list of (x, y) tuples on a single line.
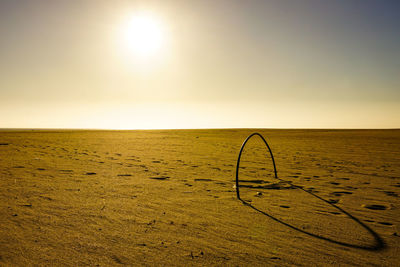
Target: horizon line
[(171, 129)]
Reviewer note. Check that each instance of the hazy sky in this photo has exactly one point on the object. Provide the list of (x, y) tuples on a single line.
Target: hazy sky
[(273, 64)]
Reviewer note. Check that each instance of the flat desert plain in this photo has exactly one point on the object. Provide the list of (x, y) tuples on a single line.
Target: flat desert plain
[(168, 198)]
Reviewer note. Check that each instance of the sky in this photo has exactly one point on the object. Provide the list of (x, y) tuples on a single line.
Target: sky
[(221, 64)]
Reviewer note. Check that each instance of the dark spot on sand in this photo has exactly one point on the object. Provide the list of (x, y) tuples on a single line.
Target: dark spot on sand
[(284, 206), (4, 144), (334, 183), (203, 180), (91, 173), (156, 161), (40, 169), (160, 178), (374, 207), (124, 175)]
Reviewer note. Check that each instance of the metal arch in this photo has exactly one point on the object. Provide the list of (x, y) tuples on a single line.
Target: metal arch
[(240, 155)]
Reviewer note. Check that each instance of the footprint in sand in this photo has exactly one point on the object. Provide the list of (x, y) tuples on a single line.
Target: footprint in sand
[(386, 223), (160, 177), (333, 201), (374, 207), (66, 170), (391, 193), (341, 193)]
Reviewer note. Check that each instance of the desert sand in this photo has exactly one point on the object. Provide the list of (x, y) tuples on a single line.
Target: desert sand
[(157, 198)]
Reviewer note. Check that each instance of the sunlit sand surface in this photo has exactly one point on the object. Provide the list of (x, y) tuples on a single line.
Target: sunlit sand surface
[(168, 198)]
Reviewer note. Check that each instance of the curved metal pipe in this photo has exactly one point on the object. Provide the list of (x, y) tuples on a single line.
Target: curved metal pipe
[(240, 155)]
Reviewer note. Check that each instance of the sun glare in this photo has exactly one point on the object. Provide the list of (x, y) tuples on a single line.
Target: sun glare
[(144, 35)]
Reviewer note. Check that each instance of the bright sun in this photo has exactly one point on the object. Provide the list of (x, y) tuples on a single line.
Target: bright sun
[(144, 35)]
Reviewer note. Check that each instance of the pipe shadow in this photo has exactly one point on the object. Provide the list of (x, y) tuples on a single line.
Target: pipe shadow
[(379, 243)]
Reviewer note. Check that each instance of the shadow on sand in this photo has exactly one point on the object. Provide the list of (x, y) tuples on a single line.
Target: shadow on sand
[(379, 244)]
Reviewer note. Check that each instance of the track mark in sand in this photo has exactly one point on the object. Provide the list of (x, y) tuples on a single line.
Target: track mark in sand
[(333, 201), (124, 174), (194, 166), (90, 173), (156, 161), (284, 206), (203, 180), (391, 193), (386, 223), (116, 259), (374, 207), (18, 167), (47, 198), (72, 189), (216, 168), (254, 181), (220, 183), (4, 144), (66, 170), (335, 183), (40, 169), (26, 205), (341, 193), (276, 186), (160, 178)]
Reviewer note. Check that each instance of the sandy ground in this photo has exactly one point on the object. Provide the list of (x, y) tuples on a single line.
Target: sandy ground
[(157, 198)]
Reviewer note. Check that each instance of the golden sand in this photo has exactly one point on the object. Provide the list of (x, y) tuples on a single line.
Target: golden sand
[(168, 198)]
